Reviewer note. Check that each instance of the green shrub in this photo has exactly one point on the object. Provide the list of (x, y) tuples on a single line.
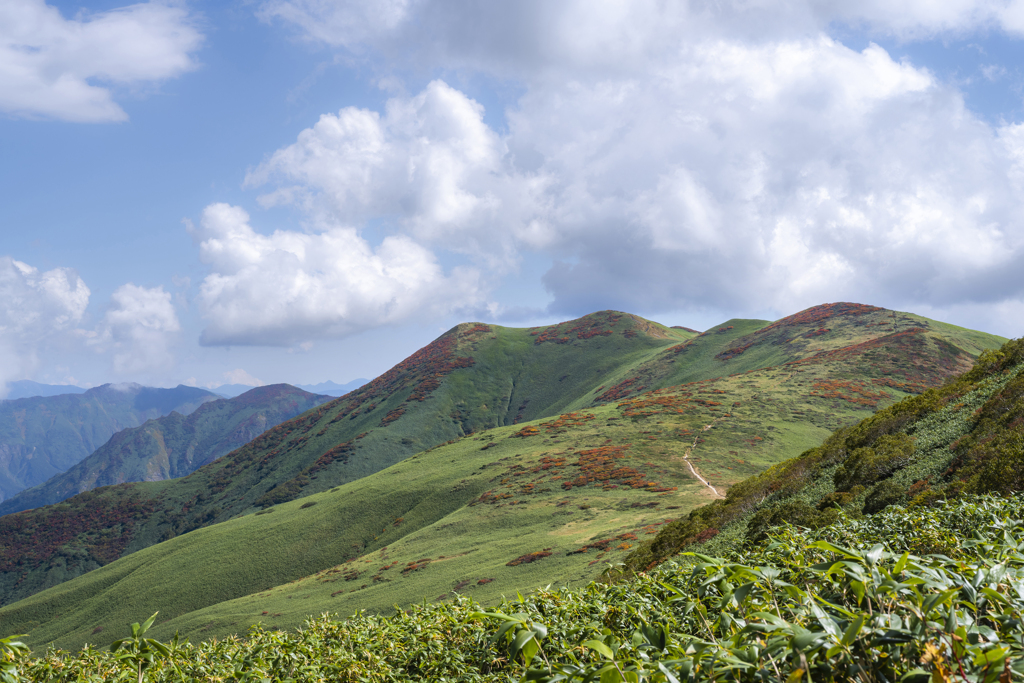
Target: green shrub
[(795, 512), (883, 495), (867, 465)]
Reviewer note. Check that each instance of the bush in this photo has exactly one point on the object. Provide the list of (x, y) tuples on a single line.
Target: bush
[(883, 495), (794, 512), (867, 465)]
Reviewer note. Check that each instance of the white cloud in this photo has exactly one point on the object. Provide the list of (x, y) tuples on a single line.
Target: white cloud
[(35, 309), (50, 66), (667, 156), (773, 175), (429, 163), (240, 376), (291, 287), (350, 23), (533, 37), (778, 175), (140, 329)]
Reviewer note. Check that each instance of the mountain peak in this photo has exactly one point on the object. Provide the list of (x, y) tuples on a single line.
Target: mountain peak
[(602, 324), (824, 312)]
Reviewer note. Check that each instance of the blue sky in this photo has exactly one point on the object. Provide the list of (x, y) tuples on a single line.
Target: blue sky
[(303, 190)]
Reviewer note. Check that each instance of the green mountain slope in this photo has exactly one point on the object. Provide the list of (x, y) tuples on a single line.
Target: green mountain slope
[(174, 445), (966, 437), (545, 501), (44, 436), (471, 378)]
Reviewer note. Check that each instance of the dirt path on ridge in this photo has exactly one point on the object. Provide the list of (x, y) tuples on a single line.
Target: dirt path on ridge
[(693, 470)]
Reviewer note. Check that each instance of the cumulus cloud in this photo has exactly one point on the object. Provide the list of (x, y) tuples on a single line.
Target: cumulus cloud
[(52, 67), (240, 376), (534, 37), (666, 156), (774, 176), (35, 308), (430, 164), (139, 330), (735, 176), (290, 287)]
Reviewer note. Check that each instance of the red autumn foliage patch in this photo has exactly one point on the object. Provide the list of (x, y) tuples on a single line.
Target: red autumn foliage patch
[(596, 325), (851, 391), (33, 537), (528, 558)]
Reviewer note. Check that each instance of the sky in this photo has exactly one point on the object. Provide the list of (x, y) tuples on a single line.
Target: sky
[(261, 191)]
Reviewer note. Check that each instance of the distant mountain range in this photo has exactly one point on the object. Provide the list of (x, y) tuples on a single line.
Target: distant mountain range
[(491, 461), (43, 436), (173, 445), (26, 388), (323, 388)]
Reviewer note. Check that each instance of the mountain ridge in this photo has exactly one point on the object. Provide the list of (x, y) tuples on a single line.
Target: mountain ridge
[(173, 445), (44, 436), (26, 388)]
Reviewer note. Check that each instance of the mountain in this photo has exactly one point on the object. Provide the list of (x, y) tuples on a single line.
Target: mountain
[(537, 454), (26, 388), (173, 445), (323, 388), (333, 388), (43, 436), (960, 439)]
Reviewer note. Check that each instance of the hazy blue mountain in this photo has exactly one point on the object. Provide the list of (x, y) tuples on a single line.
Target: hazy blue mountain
[(323, 388), (26, 388), (333, 388), (43, 436), (173, 445)]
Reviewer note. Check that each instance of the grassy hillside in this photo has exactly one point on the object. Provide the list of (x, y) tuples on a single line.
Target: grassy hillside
[(965, 437), (173, 445), (543, 501), (471, 378), (43, 436)]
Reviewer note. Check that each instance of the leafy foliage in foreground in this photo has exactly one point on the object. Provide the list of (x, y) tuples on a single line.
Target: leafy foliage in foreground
[(858, 599)]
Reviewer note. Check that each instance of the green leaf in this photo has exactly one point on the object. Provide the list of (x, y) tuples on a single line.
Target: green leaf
[(148, 623), (825, 620), (740, 595), (771, 619), (802, 638), (530, 649), (916, 676), (901, 563), (986, 657), (853, 630), (858, 589), (601, 648), (521, 639), (825, 545)]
